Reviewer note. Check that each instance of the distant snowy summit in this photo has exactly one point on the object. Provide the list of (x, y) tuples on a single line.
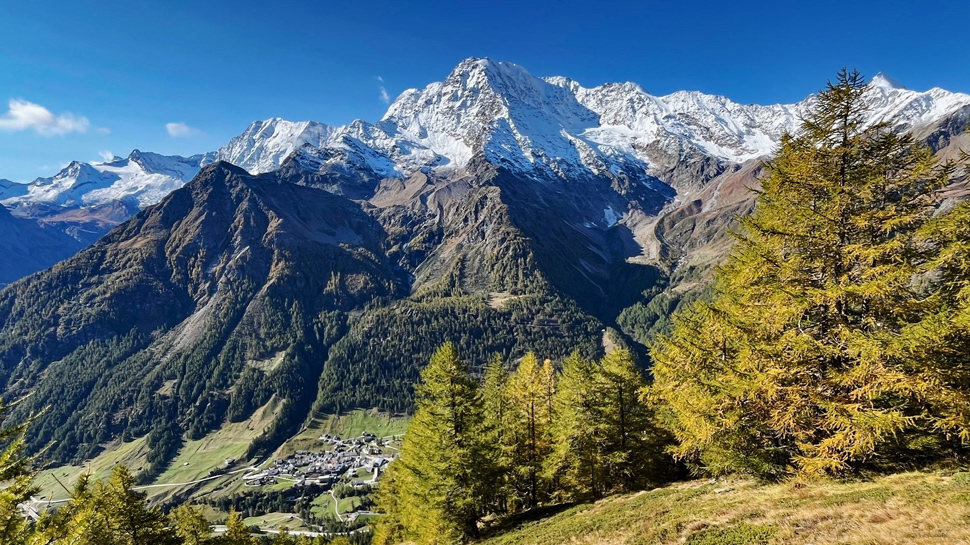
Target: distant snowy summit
[(538, 127), (143, 178)]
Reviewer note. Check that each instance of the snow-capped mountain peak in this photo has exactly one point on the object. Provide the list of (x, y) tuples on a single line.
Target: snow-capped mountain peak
[(885, 81), (494, 108), (264, 145), (551, 126), (144, 177), (904, 109)]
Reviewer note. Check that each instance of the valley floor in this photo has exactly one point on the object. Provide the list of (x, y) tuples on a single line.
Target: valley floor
[(199, 472), (917, 508)]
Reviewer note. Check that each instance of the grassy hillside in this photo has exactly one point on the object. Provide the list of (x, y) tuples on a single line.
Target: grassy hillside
[(905, 508), (194, 461), (348, 424)]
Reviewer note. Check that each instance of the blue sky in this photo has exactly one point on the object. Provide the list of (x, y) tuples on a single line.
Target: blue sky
[(80, 78)]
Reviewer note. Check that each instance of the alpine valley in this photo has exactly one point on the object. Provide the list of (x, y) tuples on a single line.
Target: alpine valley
[(305, 270)]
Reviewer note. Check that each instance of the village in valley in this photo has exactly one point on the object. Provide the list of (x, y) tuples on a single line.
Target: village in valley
[(359, 461), (340, 473)]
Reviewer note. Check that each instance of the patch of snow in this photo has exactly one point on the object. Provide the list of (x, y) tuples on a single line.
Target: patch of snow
[(610, 217)]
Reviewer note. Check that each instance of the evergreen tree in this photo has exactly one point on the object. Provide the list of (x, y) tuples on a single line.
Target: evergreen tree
[(439, 479), (797, 362)]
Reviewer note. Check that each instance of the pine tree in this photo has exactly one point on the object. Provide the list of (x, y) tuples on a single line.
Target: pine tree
[(439, 479), (796, 363)]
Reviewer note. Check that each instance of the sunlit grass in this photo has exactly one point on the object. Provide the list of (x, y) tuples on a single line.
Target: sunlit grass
[(932, 508)]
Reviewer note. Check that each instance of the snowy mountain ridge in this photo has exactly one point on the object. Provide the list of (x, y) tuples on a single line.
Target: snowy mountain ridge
[(556, 126), (143, 177), (264, 145), (538, 127)]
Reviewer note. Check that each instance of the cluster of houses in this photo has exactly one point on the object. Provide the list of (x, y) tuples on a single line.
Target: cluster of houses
[(349, 458)]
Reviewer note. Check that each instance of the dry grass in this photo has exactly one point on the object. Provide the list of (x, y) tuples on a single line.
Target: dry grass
[(497, 300), (930, 508)]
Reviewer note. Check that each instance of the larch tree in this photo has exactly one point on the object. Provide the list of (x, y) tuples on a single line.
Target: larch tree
[(530, 389), (108, 512), (14, 471), (578, 432), (633, 442), (497, 432), (439, 478), (237, 533), (798, 361), (191, 525)]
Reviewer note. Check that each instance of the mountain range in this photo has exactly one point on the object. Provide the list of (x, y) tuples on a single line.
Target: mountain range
[(536, 127), (320, 266)]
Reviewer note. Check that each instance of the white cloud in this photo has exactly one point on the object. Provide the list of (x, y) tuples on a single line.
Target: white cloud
[(24, 115), (106, 155), (180, 130), (58, 167), (385, 98)]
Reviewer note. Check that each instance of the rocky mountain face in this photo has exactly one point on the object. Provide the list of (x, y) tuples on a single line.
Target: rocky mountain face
[(226, 293), (496, 209), (28, 247)]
